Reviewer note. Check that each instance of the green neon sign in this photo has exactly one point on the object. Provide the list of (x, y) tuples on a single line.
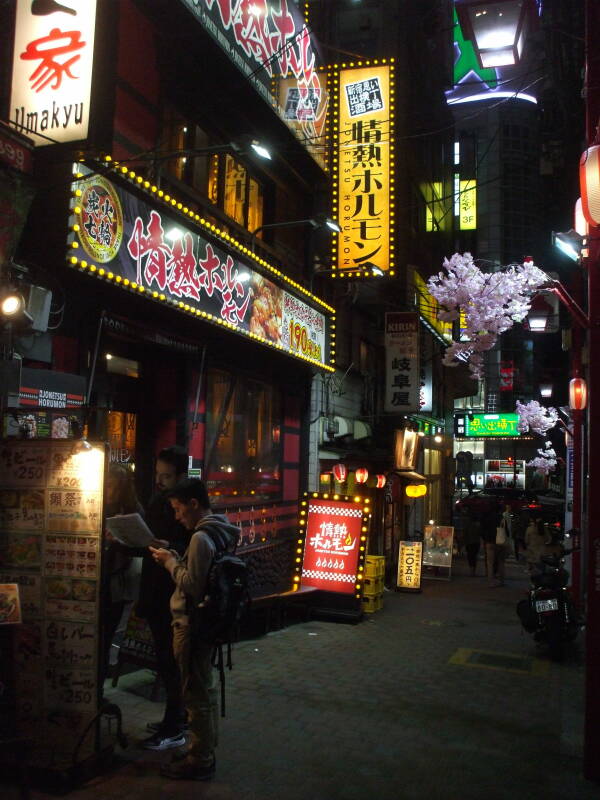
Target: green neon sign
[(491, 425)]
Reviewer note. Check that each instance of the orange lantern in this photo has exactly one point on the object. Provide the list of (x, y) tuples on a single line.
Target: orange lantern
[(380, 481), (577, 394), (340, 472), (361, 475), (325, 477)]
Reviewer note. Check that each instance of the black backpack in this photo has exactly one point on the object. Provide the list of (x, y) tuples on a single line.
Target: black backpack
[(217, 618)]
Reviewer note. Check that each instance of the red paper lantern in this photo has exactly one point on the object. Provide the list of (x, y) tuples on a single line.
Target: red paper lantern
[(577, 394), (589, 181), (340, 472), (361, 475), (380, 481)]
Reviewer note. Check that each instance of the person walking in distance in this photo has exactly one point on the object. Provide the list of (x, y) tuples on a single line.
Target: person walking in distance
[(156, 588), (191, 505), (489, 522), (472, 539)]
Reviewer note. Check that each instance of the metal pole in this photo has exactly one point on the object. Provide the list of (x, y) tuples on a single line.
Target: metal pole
[(591, 746)]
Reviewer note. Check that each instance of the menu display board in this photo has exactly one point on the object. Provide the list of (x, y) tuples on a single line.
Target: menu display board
[(50, 536), (409, 566), (437, 546)]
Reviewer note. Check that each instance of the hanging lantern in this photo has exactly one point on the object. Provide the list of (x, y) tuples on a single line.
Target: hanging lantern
[(589, 182), (416, 490), (361, 475), (380, 481), (340, 472), (577, 394), (325, 477)]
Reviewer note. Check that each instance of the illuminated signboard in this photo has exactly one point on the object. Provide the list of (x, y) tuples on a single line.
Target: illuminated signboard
[(479, 425), (402, 378), (468, 205), (137, 245), (363, 168), (271, 45), (409, 565), (335, 534), (473, 82), (429, 308), (52, 70)]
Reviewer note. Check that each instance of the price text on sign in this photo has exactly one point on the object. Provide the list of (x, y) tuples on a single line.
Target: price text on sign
[(301, 341)]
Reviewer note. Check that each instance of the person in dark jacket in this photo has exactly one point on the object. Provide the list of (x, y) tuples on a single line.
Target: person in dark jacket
[(190, 574), (120, 498), (156, 588)]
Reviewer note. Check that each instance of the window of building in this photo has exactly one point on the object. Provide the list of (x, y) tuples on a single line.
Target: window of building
[(242, 194), (243, 444)]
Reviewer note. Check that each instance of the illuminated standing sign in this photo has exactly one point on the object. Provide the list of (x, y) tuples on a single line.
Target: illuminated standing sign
[(363, 167), (409, 566), (335, 534), (484, 425), (52, 70), (141, 246)]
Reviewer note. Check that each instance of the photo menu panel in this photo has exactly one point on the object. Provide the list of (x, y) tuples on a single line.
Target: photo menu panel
[(50, 545)]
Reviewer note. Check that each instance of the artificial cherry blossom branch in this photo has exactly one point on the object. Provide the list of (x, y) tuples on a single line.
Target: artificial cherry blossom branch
[(489, 303)]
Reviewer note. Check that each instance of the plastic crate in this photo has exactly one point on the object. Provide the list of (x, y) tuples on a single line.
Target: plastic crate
[(375, 566), (371, 603), (373, 585)]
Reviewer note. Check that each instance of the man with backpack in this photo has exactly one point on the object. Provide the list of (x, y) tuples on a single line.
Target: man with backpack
[(193, 638)]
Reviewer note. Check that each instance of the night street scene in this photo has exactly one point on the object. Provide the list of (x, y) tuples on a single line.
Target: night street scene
[(298, 489)]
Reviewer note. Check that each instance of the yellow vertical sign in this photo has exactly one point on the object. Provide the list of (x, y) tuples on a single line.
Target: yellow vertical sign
[(409, 565), (364, 156), (468, 205)]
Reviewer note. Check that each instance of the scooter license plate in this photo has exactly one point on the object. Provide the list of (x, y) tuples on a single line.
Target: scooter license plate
[(546, 605)]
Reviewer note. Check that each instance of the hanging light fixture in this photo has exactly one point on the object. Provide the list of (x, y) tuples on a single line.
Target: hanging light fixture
[(577, 394), (381, 479), (416, 490), (361, 475), (340, 472), (546, 389), (497, 29)]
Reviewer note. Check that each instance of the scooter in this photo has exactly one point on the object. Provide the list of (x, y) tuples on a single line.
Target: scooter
[(548, 612)]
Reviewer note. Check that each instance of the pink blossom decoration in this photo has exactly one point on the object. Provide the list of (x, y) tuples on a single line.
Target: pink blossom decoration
[(536, 418), (545, 461), (487, 303)]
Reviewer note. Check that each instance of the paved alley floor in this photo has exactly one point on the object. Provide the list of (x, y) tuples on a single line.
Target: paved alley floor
[(439, 695)]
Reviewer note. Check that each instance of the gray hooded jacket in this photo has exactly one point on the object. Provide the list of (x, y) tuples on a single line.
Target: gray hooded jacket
[(190, 571)]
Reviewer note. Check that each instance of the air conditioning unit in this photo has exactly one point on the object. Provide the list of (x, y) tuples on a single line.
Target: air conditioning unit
[(38, 306)]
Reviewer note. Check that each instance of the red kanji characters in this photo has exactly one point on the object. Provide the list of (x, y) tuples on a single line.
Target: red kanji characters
[(50, 69), (153, 247), (252, 33), (183, 279)]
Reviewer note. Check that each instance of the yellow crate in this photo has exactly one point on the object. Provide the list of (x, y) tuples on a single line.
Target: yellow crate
[(375, 566), (373, 585), (372, 603)]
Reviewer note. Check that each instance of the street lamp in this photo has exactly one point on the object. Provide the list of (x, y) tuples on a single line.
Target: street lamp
[(497, 29), (318, 221), (570, 243)]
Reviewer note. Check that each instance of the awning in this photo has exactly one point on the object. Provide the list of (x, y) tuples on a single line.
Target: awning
[(409, 475)]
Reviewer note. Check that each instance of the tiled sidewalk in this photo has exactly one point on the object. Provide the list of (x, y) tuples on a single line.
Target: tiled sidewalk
[(440, 695)]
